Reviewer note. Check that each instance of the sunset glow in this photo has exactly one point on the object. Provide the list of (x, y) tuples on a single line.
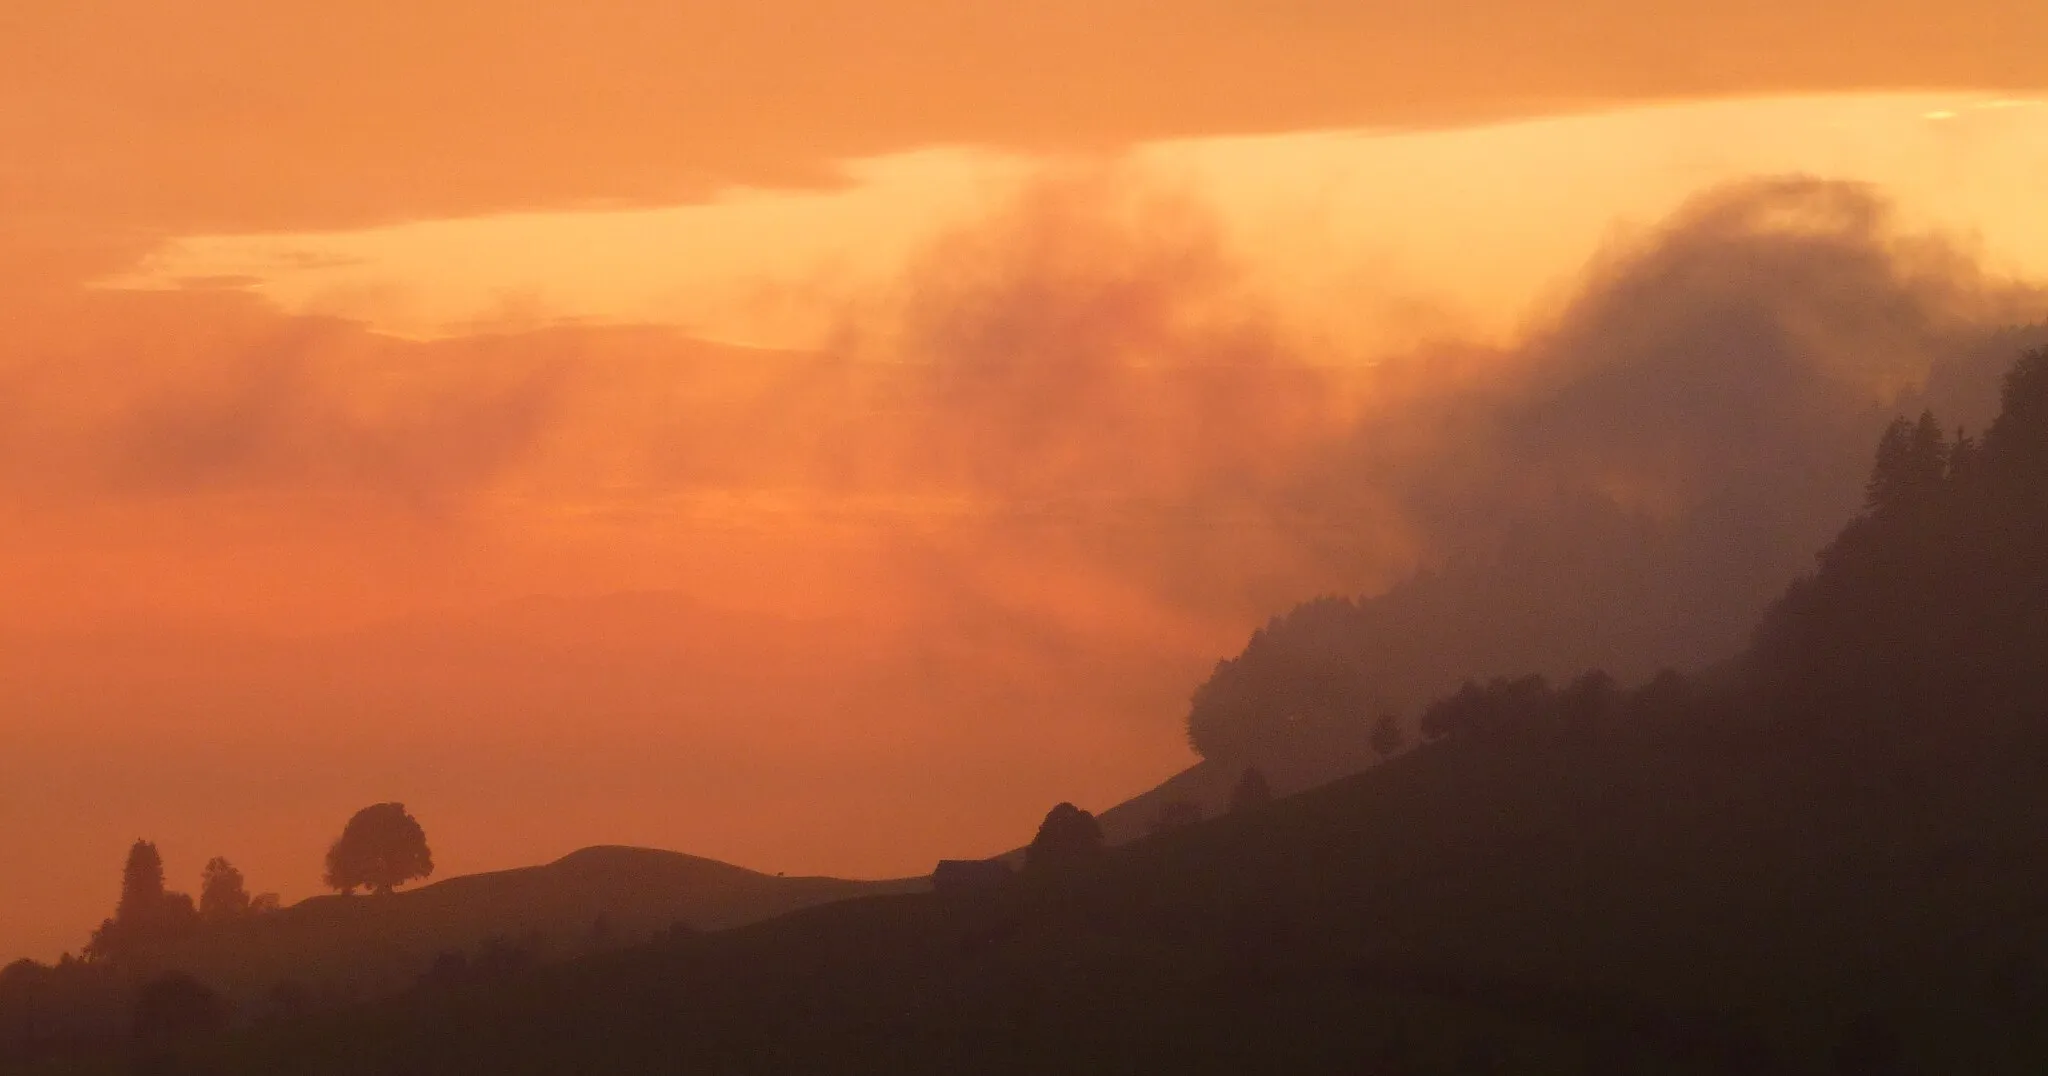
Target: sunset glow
[(1360, 233), (822, 439)]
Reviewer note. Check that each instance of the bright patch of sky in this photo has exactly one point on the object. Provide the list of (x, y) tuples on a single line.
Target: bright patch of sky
[(1370, 239)]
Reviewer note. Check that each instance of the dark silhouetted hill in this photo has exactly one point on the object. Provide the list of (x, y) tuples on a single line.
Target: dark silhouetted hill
[(1644, 508), (1928, 616), (1678, 877), (359, 946), (1657, 899), (1293, 765)]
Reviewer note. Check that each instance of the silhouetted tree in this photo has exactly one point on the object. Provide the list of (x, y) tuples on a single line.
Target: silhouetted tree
[(380, 849), (1386, 736), (142, 882), (1252, 791), (69, 1004), (1301, 674), (2016, 444), (1912, 462), (1499, 705), (1927, 606), (1068, 836), (1964, 455), (174, 1007), (1175, 814), (146, 913), (222, 896)]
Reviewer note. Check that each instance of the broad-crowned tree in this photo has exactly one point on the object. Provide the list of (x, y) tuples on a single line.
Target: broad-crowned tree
[(380, 849)]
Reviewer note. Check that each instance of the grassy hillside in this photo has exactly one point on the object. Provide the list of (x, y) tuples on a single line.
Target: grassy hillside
[(592, 899), (1650, 900)]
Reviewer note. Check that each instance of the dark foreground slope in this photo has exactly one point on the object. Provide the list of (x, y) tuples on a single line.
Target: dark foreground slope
[(592, 899), (1832, 864), (1648, 899)]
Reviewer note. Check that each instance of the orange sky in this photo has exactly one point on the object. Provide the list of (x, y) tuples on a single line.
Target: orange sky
[(325, 336), (236, 115), (1363, 235)]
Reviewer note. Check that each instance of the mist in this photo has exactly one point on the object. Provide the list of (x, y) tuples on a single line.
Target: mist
[(988, 542)]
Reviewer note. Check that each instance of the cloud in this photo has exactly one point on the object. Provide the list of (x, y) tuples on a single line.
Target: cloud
[(1096, 365), (1090, 381), (219, 396), (228, 116), (1658, 458)]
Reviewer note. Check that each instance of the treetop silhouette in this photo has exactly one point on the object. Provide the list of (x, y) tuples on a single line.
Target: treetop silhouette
[(1068, 836), (147, 913), (380, 849), (222, 894)]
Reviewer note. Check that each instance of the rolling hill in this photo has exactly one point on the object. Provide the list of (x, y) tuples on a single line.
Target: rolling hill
[(595, 898), (1824, 859), (1654, 901)]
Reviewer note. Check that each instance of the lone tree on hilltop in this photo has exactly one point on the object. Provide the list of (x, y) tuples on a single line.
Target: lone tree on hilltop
[(1069, 835), (380, 849), (1252, 791)]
